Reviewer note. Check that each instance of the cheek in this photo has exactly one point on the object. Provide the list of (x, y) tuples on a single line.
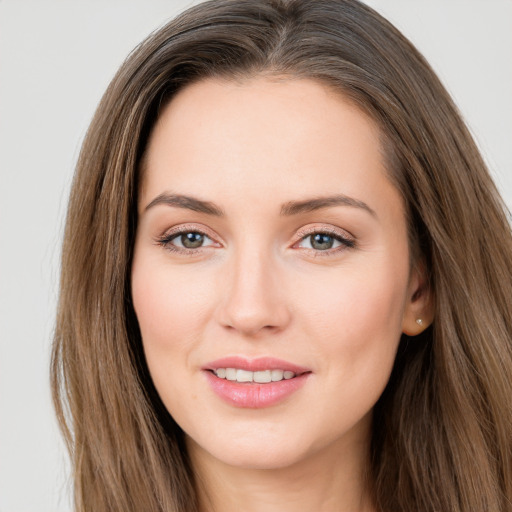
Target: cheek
[(171, 310), (166, 301), (353, 327), (352, 300), (355, 319)]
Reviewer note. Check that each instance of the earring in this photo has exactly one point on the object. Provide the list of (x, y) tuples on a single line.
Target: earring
[(419, 321)]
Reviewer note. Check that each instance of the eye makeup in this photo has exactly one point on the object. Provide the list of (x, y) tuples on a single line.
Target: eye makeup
[(181, 233), (326, 236), (189, 240)]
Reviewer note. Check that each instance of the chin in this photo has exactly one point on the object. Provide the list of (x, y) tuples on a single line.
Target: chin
[(253, 451), (259, 458)]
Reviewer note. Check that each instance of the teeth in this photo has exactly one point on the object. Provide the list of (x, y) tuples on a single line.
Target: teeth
[(230, 373), (244, 376), (277, 375), (261, 377)]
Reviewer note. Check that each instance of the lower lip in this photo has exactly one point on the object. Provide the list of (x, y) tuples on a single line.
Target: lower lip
[(253, 395)]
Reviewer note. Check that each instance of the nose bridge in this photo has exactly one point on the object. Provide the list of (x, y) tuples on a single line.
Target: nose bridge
[(253, 298)]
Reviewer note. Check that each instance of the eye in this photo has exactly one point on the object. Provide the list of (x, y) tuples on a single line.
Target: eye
[(185, 240), (191, 240), (324, 241)]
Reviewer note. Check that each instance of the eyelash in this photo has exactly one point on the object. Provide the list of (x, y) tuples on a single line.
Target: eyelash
[(166, 239), (347, 242)]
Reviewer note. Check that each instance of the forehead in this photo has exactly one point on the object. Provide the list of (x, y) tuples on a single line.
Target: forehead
[(262, 138)]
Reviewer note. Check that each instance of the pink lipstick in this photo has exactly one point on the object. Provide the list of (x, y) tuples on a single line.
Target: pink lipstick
[(254, 383)]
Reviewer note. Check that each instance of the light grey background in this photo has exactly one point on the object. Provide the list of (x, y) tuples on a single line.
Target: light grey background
[(56, 59)]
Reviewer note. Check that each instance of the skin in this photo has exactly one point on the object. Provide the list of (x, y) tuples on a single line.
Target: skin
[(259, 286)]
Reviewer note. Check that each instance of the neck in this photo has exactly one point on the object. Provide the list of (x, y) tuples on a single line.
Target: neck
[(331, 480)]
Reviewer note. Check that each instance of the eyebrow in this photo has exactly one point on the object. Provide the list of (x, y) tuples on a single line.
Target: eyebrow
[(287, 209), (187, 202), (317, 203)]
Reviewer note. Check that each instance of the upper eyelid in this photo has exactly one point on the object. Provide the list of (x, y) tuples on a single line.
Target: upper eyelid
[(192, 228), (341, 233)]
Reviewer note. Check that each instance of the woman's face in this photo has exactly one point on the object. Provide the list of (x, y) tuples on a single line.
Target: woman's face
[(270, 245)]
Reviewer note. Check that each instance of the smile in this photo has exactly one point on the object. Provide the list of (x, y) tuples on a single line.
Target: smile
[(260, 377), (255, 383)]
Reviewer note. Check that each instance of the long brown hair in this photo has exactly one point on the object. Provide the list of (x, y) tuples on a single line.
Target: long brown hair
[(442, 436)]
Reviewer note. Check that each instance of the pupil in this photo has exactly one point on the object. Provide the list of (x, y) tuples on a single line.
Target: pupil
[(192, 240), (321, 241)]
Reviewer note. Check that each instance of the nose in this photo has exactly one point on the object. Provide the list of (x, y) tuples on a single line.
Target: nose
[(253, 296)]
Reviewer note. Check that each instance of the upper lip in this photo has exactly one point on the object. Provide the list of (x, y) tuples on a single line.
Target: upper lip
[(255, 365)]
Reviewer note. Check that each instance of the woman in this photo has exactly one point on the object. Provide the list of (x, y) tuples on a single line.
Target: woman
[(286, 277)]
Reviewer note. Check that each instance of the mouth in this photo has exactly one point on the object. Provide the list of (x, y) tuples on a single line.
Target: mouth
[(255, 383)]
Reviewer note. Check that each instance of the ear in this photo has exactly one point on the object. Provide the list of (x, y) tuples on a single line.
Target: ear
[(419, 307)]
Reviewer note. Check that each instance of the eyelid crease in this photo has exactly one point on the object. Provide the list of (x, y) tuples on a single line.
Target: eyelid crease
[(188, 228), (343, 234)]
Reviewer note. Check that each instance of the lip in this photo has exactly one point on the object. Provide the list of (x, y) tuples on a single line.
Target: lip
[(251, 394), (255, 365)]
